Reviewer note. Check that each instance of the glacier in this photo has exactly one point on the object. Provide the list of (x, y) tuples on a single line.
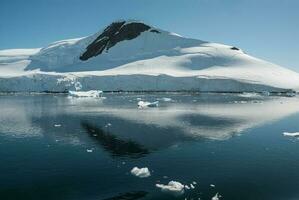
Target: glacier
[(133, 56)]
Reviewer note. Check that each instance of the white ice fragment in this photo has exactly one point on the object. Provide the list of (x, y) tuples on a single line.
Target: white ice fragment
[(141, 172), (89, 150), (166, 99), (57, 125), (212, 185), (216, 197), (249, 94), (108, 124), (144, 104), (192, 186), (78, 86), (266, 93), (194, 183), (295, 134), (90, 93), (187, 187), (172, 187)]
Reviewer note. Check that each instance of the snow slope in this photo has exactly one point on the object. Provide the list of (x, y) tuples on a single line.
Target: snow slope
[(124, 56)]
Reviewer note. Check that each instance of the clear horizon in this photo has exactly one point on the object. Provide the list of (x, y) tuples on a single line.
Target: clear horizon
[(267, 29)]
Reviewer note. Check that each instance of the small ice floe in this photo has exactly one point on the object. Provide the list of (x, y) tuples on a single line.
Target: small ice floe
[(212, 185), (266, 93), (173, 187), (241, 102), (89, 150), (192, 186), (166, 99), (138, 99), (216, 197), (291, 94), (90, 93), (194, 183), (57, 125), (141, 172), (108, 125), (249, 94), (78, 86), (295, 134), (187, 187), (145, 104)]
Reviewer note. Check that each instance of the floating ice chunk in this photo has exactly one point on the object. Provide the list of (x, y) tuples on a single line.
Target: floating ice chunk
[(91, 93), (57, 125), (107, 125), (192, 186), (172, 187), (141, 172), (241, 102), (187, 187), (212, 185), (144, 104), (291, 94), (89, 150), (194, 183), (295, 134), (249, 94), (266, 93), (78, 86), (166, 99), (216, 197)]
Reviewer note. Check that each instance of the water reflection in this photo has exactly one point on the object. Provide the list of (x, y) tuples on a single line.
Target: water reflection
[(218, 120), (111, 143), (187, 117), (129, 196)]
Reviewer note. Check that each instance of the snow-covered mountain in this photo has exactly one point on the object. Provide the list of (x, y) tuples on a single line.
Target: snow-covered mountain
[(133, 56)]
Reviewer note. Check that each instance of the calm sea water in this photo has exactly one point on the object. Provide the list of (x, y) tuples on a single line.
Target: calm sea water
[(234, 142)]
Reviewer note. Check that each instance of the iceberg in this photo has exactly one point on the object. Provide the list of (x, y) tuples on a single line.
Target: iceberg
[(295, 134), (173, 187), (144, 104), (91, 93), (141, 172)]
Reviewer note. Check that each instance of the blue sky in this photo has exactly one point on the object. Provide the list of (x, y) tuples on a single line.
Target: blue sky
[(268, 29)]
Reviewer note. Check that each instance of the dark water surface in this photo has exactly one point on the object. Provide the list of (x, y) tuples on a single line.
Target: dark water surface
[(232, 141)]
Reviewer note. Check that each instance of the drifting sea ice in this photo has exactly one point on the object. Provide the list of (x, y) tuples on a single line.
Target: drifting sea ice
[(141, 172), (295, 134), (91, 93), (249, 94), (166, 99), (173, 187), (145, 104), (216, 197), (89, 150)]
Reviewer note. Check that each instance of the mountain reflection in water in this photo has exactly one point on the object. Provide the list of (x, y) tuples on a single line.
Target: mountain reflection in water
[(129, 196), (111, 143)]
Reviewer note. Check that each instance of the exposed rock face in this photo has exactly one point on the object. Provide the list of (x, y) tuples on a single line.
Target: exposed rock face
[(235, 48), (154, 31), (114, 33)]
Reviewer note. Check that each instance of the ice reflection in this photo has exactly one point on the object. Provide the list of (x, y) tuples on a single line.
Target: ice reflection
[(184, 118)]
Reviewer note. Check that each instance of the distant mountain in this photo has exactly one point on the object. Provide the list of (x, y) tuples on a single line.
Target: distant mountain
[(134, 56)]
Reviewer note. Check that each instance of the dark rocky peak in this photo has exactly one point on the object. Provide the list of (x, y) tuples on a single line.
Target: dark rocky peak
[(114, 33)]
